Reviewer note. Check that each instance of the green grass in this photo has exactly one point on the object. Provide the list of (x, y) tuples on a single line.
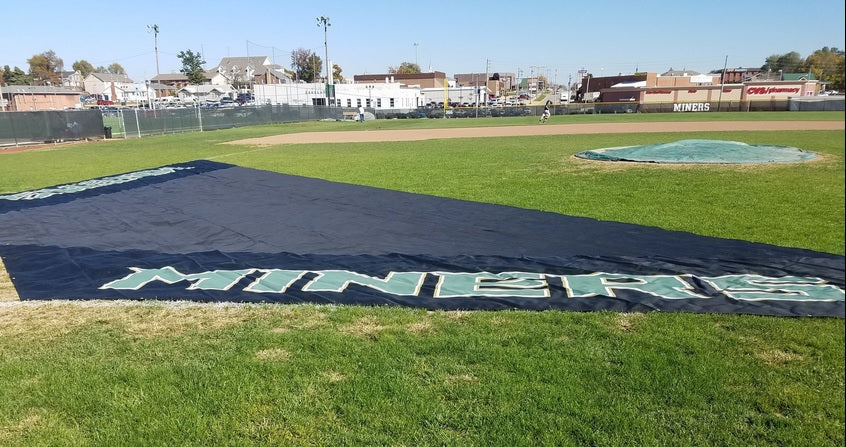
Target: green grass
[(150, 374)]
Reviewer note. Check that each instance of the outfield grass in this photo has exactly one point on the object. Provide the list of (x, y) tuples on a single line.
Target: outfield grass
[(151, 374)]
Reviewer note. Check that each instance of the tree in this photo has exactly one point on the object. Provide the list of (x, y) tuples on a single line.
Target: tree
[(405, 68), (306, 64), (192, 66), (14, 77), (827, 64), (116, 68), (45, 68), (336, 73), (83, 67), (788, 63)]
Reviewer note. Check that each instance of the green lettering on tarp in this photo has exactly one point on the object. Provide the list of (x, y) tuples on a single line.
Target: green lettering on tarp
[(212, 280), (792, 288), (395, 283), (604, 284), (506, 284), (275, 281)]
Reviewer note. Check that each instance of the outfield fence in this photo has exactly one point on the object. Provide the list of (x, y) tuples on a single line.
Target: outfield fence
[(22, 128)]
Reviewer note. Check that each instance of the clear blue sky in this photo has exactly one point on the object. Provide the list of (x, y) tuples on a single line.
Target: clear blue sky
[(551, 37)]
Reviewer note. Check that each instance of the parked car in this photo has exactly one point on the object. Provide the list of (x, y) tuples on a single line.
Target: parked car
[(105, 102)]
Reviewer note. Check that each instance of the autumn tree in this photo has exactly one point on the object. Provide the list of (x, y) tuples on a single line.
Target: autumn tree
[(83, 67), (306, 64), (192, 66), (45, 68), (827, 64)]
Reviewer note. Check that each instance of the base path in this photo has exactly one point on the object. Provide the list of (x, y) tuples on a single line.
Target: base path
[(367, 136)]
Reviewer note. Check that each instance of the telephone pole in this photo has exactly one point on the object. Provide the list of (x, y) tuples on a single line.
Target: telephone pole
[(155, 30)]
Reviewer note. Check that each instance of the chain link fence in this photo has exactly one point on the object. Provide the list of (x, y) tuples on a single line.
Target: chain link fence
[(23, 128)]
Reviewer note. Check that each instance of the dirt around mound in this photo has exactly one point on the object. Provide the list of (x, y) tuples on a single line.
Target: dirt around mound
[(367, 136)]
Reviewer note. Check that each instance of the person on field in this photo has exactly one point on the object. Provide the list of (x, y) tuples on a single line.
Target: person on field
[(360, 114), (545, 115)]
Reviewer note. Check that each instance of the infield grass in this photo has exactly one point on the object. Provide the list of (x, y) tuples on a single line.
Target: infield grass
[(198, 375)]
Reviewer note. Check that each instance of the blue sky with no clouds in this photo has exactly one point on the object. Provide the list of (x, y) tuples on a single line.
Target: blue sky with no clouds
[(555, 37)]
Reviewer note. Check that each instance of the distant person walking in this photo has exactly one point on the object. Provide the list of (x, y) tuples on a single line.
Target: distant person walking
[(360, 114)]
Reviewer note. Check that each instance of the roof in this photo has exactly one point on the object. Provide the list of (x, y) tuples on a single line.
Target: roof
[(38, 89), (672, 72), (206, 88), (111, 77), (170, 77), (798, 77)]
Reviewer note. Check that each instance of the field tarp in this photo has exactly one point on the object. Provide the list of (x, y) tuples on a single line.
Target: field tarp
[(214, 232)]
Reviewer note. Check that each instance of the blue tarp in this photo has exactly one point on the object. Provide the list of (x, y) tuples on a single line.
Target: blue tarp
[(210, 231)]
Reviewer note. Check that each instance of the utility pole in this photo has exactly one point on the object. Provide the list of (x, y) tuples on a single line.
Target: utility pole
[(155, 30), (415, 54)]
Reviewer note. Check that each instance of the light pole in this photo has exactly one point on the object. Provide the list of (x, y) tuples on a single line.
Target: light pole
[(155, 30), (415, 54), (324, 22)]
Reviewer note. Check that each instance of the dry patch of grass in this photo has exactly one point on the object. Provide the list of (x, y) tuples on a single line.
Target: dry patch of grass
[(50, 319), (365, 327), (628, 322), (777, 357), (7, 289), (420, 327), (273, 355), (460, 379), (301, 318)]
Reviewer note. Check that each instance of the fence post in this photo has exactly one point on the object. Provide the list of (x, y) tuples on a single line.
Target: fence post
[(137, 124), (200, 118)]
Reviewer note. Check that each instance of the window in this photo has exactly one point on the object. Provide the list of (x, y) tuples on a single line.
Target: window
[(349, 102), (392, 103), (368, 102), (358, 102), (379, 102)]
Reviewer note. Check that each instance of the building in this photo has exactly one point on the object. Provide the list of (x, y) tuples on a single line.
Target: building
[(497, 84), (432, 79), (377, 96), (117, 88), (24, 98)]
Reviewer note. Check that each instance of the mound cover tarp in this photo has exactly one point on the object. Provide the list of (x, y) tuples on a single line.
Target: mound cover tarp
[(215, 232)]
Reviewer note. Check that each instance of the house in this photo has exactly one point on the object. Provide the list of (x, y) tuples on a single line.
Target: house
[(115, 87), (71, 79), (241, 72), (238, 72), (204, 93), (23, 98)]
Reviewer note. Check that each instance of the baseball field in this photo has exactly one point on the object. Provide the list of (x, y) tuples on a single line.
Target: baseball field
[(95, 372)]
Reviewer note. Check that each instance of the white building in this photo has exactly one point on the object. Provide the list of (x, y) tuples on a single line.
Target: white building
[(381, 96), (115, 87)]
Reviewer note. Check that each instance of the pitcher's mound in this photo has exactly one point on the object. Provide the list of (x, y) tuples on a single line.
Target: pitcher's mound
[(700, 151)]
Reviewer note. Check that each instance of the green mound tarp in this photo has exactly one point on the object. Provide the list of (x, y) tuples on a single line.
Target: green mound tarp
[(700, 151)]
